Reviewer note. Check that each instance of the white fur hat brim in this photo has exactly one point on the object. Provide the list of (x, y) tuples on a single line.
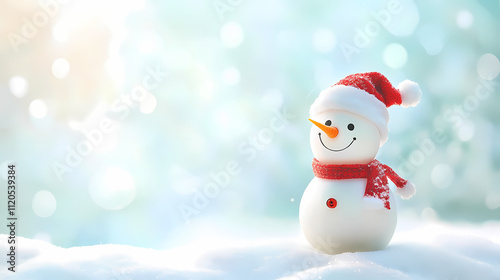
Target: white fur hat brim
[(356, 101)]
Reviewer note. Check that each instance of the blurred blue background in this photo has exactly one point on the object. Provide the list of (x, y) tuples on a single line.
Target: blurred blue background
[(152, 123)]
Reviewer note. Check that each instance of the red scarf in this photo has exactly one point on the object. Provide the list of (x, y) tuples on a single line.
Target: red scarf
[(376, 175)]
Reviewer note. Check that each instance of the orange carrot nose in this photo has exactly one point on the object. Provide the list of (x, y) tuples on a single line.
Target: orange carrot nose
[(331, 131)]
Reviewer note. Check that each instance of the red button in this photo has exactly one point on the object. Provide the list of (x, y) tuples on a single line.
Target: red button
[(331, 203)]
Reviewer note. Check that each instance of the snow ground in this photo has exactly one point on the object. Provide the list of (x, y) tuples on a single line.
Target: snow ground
[(418, 251)]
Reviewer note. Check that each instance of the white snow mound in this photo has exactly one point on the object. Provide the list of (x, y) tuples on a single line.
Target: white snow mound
[(417, 251)]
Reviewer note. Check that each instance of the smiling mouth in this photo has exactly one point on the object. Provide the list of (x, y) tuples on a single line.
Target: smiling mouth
[(353, 139)]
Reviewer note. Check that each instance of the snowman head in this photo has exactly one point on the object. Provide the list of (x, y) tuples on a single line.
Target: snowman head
[(341, 137), (350, 118)]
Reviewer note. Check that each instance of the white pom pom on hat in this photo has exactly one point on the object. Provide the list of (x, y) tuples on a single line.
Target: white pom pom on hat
[(410, 93)]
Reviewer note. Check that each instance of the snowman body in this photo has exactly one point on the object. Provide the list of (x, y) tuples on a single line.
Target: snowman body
[(348, 206), (335, 216), (354, 224)]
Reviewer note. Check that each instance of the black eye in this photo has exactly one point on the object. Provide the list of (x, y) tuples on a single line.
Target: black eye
[(328, 123), (350, 127)]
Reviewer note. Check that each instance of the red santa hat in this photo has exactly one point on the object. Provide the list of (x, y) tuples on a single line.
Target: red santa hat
[(368, 95)]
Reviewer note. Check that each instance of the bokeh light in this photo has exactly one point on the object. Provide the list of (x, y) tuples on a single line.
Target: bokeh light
[(466, 131), (112, 188), (488, 66), (60, 68), (38, 109), (492, 201), (429, 214), (44, 204), (148, 105), (60, 32), (395, 56), (442, 176), (231, 35), (464, 19), (18, 86)]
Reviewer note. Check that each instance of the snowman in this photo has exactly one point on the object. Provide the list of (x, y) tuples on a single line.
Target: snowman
[(348, 206)]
